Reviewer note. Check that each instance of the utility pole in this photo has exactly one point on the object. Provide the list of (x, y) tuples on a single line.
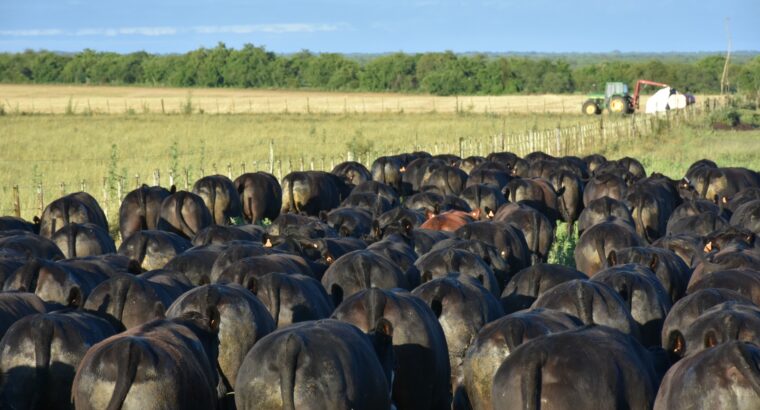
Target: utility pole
[(724, 77)]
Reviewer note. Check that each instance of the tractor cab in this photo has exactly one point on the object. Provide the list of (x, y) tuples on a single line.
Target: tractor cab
[(614, 89)]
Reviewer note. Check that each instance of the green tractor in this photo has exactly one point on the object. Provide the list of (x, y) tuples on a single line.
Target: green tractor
[(615, 99)]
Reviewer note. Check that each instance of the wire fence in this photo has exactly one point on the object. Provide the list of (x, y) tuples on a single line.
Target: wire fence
[(28, 200)]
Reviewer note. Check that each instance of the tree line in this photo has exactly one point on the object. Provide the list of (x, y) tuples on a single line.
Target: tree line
[(444, 73)]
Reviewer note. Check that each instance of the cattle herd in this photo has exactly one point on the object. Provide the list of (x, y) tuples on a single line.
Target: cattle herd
[(421, 283)]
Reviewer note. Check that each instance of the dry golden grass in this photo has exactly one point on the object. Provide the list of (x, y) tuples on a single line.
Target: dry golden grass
[(60, 99)]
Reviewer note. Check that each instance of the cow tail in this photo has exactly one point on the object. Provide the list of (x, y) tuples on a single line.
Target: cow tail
[(640, 205), (71, 241), (251, 216), (583, 305), (66, 208), (184, 227), (142, 203), (288, 371), (126, 376), (292, 198), (536, 226), (277, 300), (599, 245), (120, 292), (212, 199), (530, 385), (42, 333)]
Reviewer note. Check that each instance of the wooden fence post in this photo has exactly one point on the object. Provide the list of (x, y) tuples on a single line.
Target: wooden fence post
[(279, 170), (229, 170), (271, 156), (171, 178), (41, 198), (105, 195), (63, 188), (16, 202), (302, 163), (242, 168), (137, 181), (187, 178), (83, 185)]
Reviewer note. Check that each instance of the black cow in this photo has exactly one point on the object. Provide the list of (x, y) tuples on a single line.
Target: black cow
[(359, 270), (497, 340), (723, 323), (484, 197), (16, 305), (135, 300), (292, 298), (80, 240), (310, 192), (242, 321), (643, 294), (140, 209), (448, 180), (196, 263), (287, 369), (604, 209), (221, 198), (537, 193), (509, 242), (726, 377), (570, 202), (28, 245), (463, 306), (261, 195), (220, 234), (184, 213), (164, 364), (744, 281), (40, 355), (532, 282), (594, 303), (353, 172), (603, 185), (245, 270), (423, 373), (79, 207), (687, 310), (672, 272), (596, 243), (153, 249), (564, 369), (378, 188), (537, 229), (11, 223), (352, 222), (439, 263), (389, 171), (747, 216), (651, 202)]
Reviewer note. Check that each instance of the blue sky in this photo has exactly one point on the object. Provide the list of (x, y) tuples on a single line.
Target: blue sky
[(380, 26)]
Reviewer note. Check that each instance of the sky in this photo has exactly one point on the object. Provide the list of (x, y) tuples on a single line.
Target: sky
[(364, 26)]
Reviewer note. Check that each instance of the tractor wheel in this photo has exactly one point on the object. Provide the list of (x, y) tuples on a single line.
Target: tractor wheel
[(590, 108), (618, 105)]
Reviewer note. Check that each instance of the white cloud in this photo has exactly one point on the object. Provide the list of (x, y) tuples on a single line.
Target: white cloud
[(277, 28)]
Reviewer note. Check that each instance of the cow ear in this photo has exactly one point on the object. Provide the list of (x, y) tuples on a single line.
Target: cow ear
[(429, 214), (654, 262), (561, 191), (252, 284), (476, 214), (708, 247), (36, 220), (750, 238), (677, 343), (716, 200), (407, 225), (711, 340), (75, 297), (173, 189), (436, 209), (612, 258), (724, 200), (323, 216), (383, 326)]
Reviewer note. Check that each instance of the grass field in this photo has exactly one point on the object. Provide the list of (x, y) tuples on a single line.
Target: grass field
[(65, 153), (78, 99)]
